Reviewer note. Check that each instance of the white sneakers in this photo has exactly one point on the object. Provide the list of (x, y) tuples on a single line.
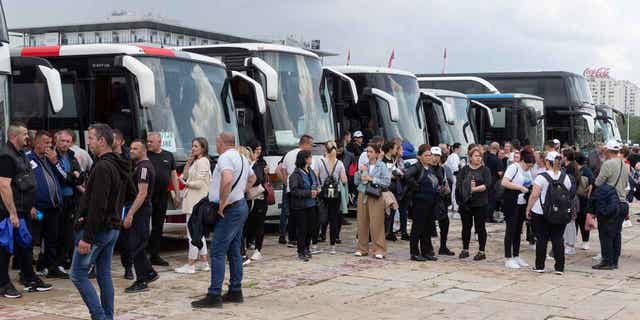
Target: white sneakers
[(585, 246), (186, 269), (358, 254), (511, 264), (627, 224), (192, 268), (598, 257), (379, 256), (256, 256), (315, 249), (332, 250), (569, 250), (202, 266), (516, 263)]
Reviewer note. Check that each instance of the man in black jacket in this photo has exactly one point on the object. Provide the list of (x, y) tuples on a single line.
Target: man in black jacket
[(68, 172), (101, 209)]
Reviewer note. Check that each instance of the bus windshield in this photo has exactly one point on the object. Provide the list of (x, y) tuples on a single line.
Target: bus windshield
[(461, 131), (192, 101), (405, 90), (303, 105), (530, 124), (584, 131)]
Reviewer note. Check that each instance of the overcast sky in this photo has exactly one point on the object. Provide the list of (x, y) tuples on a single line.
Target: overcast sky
[(479, 35)]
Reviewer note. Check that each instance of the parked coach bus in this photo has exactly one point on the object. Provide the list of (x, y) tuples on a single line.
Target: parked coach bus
[(569, 109)]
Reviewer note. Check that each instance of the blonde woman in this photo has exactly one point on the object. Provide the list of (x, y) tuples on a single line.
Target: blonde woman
[(196, 178)]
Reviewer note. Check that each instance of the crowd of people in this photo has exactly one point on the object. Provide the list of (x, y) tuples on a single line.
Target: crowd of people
[(79, 206)]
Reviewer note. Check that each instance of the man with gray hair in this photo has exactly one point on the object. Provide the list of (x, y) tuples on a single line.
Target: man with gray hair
[(231, 178)]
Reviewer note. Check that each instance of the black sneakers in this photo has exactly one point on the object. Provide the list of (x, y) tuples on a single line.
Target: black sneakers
[(282, 240), (158, 261), (480, 256), (153, 276), (464, 254), (10, 292), (138, 286), (302, 257), (209, 301), (430, 257), (55, 273), (446, 252), (603, 266), (418, 258), (37, 285), (233, 297)]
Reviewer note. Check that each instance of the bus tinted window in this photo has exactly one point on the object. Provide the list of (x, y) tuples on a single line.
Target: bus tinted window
[(551, 89)]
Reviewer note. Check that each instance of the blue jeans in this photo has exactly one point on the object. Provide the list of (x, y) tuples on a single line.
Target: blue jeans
[(100, 256), (284, 214), (226, 243)]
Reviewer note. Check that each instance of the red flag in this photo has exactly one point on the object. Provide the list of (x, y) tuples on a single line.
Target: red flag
[(444, 61), (348, 56), (393, 56)]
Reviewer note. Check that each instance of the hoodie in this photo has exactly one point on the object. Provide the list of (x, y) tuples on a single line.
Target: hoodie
[(109, 187)]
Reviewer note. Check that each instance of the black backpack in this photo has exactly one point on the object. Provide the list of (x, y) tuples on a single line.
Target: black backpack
[(463, 187), (330, 188), (558, 203)]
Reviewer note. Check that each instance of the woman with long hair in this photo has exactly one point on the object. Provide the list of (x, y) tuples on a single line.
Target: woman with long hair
[(196, 178), (473, 212), (258, 212), (372, 178), (304, 192), (331, 172)]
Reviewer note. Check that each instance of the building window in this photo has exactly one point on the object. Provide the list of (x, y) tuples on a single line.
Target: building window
[(204, 42), (80, 38), (64, 40), (115, 37), (154, 36), (167, 38), (180, 41)]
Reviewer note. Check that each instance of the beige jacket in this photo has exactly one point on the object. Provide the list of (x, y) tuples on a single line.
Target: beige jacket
[(197, 178)]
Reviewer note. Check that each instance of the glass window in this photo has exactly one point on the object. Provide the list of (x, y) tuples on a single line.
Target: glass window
[(461, 127), (4, 106), (190, 102), (301, 108), (4, 33), (551, 89), (405, 90)]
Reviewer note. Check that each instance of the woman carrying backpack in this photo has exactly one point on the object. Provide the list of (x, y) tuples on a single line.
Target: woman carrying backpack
[(472, 197), (331, 172), (548, 224), (517, 182)]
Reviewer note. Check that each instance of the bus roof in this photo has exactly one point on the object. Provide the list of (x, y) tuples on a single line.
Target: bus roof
[(502, 96), (370, 69), (107, 49), (445, 93), (256, 47), (519, 74)]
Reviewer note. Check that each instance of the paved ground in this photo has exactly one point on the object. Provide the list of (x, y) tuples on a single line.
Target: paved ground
[(346, 287)]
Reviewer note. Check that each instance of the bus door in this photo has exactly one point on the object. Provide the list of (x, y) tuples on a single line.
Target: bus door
[(483, 121)]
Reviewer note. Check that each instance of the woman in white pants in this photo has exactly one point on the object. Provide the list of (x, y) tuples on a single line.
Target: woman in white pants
[(196, 178)]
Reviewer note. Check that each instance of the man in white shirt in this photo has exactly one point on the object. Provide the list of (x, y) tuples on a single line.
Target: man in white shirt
[(453, 163), (230, 179), (285, 169)]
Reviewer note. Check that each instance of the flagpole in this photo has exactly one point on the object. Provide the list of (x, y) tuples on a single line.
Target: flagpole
[(444, 61)]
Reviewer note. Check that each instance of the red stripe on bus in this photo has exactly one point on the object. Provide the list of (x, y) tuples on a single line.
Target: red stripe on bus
[(45, 51), (157, 51)]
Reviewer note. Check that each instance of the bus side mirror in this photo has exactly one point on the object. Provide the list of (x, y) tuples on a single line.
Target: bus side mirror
[(145, 78), (447, 108), (269, 73), (389, 100), (54, 87), (486, 109), (326, 71), (258, 93)]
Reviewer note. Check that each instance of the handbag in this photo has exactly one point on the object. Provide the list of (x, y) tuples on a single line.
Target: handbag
[(373, 190), (270, 195)]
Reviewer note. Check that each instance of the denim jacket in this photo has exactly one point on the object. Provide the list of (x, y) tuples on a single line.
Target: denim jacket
[(381, 177)]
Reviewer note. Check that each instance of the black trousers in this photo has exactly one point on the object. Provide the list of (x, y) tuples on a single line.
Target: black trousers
[(444, 231), (137, 240), (122, 244), (514, 217), (546, 231), (305, 227), (50, 237), (158, 215), (23, 259), (334, 219), (420, 240), (255, 224), (67, 216), (581, 219), (469, 217), (610, 232)]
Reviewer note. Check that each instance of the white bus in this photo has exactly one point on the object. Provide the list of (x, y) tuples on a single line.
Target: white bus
[(140, 89)]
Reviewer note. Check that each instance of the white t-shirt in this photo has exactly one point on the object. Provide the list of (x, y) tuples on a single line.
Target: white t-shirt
[(453, 162), (517, 175), (541, 182), (320, 168), (363, 160), (289, 163), (230, 160)]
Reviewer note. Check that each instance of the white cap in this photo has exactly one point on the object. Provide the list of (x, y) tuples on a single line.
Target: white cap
[(552, 155), (613, 145), (436, 151), (358, 134), (556, 141)]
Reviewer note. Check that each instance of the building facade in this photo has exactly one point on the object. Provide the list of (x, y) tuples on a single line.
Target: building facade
[(620, 94)]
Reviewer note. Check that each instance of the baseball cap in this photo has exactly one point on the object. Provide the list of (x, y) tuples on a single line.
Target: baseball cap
[(358, 134), (436, 151), (556, 141), (613, 145), (551, 156)]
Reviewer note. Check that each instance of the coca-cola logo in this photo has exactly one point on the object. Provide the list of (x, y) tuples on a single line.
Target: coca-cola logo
[(596, 72)]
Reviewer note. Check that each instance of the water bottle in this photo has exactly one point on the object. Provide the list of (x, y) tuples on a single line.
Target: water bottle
[(39, 215)]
